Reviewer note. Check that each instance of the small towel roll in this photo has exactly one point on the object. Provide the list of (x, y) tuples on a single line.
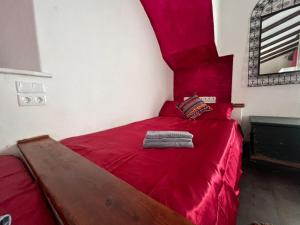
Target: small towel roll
[(168, 134), (158, 144)]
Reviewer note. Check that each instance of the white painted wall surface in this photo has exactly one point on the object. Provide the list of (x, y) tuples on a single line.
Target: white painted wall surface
[(233, 33), (107, 71), (18, 43), (217, 14)]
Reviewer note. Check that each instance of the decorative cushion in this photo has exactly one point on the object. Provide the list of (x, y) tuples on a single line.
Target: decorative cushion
[(170, 109), (193, 107), (220, 111)]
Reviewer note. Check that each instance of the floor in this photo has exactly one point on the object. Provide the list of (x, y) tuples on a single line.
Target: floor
[(270, 195)]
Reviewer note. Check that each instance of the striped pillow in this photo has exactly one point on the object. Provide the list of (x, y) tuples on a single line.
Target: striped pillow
[(193, 107)]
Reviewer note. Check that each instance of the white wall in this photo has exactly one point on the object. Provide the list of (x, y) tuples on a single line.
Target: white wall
[(18, 44), (233, 39), (217, 28), (107, 71)]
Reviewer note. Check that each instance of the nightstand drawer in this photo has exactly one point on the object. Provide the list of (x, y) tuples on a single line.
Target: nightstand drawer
[(276, 135), (275, 140)]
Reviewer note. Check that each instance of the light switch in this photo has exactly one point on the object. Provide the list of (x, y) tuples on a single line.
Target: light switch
[(30, 87)]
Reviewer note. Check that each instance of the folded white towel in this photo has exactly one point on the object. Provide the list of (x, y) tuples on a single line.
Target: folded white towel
[(157, 144), (168, 134), (149, 140)]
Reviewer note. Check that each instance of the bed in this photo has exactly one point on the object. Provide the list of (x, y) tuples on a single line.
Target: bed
[(201, 184), (20, 196)]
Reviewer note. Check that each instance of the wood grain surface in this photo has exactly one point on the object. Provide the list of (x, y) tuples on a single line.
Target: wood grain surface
[(85, 194)]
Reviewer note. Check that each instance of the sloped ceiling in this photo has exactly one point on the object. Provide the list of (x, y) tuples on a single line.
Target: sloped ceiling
[(184, 30), (185, 33)]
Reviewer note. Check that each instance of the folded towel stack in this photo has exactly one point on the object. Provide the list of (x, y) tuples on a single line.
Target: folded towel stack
[(168, 139)]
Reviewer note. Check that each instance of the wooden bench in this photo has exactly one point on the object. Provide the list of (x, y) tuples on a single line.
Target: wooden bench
[(84, 194)]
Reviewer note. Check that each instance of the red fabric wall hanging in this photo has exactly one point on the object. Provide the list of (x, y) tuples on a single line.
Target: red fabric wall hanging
[(207, 79), (185, 33)]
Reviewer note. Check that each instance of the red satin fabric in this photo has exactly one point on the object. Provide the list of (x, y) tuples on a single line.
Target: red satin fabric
[(185, 33), (20, 196), (184, 30), (220, 111), (169, 109), (200, 183), (295, 58), (208, 79)]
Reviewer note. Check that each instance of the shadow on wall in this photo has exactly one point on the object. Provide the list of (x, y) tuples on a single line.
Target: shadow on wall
[(18, 39), (12, 150)]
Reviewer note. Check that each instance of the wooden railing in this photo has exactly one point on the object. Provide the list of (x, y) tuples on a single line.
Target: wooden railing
[(84, 194)]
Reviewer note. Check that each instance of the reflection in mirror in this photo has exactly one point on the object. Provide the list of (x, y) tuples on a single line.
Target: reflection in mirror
[(280, 42)]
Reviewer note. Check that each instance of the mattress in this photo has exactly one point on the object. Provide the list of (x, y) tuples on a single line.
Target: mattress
[(201, 183), (20, 196)]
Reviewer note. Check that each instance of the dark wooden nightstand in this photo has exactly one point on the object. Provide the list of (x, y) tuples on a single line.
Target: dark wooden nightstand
[(276, 140)]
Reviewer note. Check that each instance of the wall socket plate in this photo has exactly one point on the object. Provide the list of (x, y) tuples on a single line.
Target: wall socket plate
[(209, 99), (31, 100), (30, 87), (206, 99)]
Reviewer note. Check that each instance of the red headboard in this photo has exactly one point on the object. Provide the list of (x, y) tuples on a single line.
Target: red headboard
[(185, 33), (208, 79)]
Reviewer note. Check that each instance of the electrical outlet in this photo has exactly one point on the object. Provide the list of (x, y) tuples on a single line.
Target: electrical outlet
[(40, 100), (25, 100), (206, 99), (31, 100), (209, 99)]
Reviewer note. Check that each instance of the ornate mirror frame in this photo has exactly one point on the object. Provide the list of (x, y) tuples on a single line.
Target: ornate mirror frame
[(262, 8)]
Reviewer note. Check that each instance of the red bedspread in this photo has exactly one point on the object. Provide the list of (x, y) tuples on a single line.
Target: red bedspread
[(199, 183), (20, 196)]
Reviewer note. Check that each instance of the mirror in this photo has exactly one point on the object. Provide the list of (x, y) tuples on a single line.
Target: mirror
[(274, 43), (279, 42)]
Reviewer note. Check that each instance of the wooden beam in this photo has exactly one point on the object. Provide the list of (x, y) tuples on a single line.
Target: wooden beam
[(280, 31), (33, 139), (279, 51), (283, 20), (238, 105), (273, 57), (281, 45), (82, 193), (280, 39)]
